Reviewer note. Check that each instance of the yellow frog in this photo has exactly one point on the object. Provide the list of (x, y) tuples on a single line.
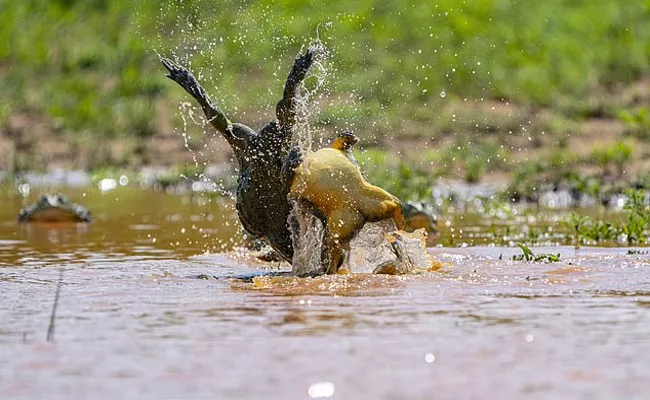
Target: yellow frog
[(330, 182)]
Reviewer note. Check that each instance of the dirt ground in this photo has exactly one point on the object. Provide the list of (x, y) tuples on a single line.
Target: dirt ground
[(34, 142)]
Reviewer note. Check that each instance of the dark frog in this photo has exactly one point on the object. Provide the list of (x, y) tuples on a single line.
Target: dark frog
[(262, 204), (54, 208)]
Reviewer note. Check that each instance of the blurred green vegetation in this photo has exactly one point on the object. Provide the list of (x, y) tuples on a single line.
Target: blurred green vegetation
[(481, 87), (394, 175), (632, 229), (90, 65), (637, 122)]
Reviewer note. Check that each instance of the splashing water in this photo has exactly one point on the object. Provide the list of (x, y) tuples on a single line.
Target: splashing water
[(372, 247), (377, 248), (369, 248), (307, 233), (202, 183), (307, 97), (382, 249)]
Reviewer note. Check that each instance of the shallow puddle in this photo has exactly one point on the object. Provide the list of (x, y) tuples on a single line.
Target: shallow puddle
[(139, 318)]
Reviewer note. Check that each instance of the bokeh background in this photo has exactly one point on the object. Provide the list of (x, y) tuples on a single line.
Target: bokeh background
[(530, 94)]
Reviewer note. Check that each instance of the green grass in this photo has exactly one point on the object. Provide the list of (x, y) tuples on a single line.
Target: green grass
[(637, 122), (632, 229), (528, 255), (90, 65), (612, 157)]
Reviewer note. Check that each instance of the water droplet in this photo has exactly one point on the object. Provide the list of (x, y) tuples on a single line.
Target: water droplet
[(24, 189), (321, 389), (443, 94), (107, 184), (429, 358)]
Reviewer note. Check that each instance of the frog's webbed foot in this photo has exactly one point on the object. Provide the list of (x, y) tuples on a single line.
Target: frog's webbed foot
[(185, 79), (286, 107), (301, 65)]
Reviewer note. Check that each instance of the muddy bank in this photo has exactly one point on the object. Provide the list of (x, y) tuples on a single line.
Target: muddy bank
[(31, 142)]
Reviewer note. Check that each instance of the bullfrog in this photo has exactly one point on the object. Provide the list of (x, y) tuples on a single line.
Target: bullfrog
[(54, 208), (262, 204), (330, 183)]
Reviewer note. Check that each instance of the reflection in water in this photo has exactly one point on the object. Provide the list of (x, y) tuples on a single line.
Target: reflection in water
[(44, 234), (145, 312), (361, 284), (127, 222)]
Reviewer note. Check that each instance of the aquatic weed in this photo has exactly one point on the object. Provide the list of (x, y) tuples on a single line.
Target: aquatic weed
[(577, 223), (529, 256), (638, 216), (632, 230)]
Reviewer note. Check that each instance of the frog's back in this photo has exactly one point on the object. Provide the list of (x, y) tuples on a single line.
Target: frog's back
[(328, 179)]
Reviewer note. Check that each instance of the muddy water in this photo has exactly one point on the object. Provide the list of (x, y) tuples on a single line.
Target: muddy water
[(127, 222), (135, 321)]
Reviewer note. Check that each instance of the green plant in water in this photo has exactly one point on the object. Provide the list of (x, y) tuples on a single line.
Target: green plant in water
[(638, 217), (634, 228), (577, 224), (601, 231), (529, 256)]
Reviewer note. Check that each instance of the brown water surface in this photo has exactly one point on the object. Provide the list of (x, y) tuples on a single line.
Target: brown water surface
[(134, 319), (128, 223)]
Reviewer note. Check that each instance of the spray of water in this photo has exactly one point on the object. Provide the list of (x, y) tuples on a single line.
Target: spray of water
[(307, 234), (308, 95), (370, 247)]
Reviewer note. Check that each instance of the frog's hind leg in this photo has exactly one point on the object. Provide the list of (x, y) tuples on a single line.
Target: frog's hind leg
[(378, 205)]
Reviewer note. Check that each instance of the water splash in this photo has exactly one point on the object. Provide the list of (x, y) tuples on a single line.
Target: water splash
[(369, 248), (307, 234), (307, 97), (377, 248)]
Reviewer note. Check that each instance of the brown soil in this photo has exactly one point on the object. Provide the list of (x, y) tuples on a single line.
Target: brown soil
[(34, 142)]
